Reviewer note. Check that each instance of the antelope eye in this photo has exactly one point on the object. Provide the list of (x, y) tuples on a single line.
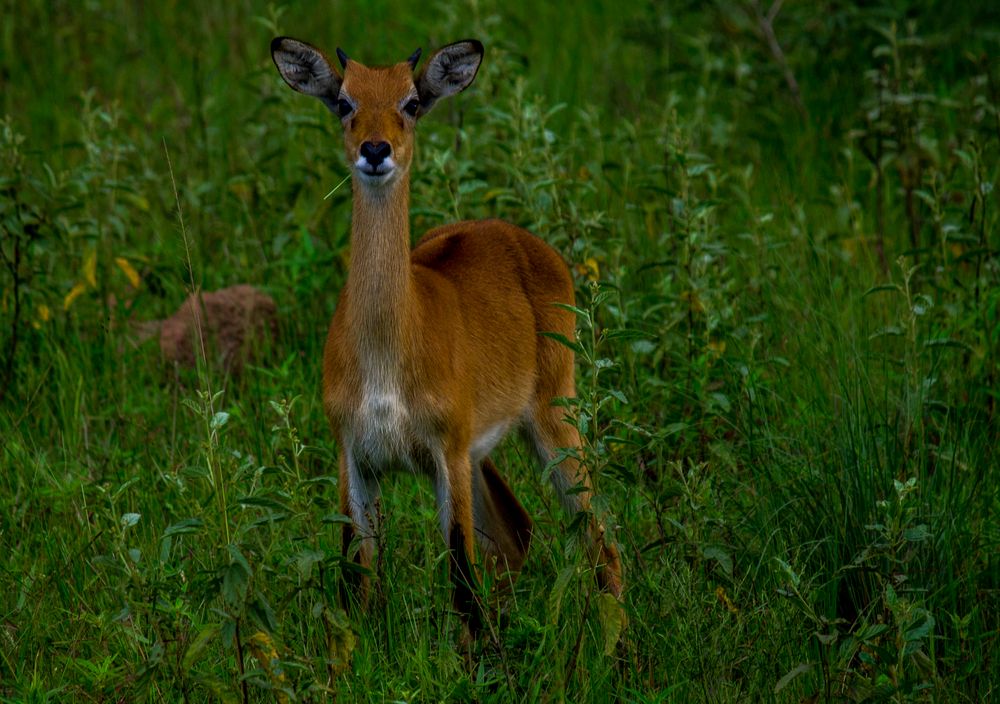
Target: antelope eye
[(411, 107), (344, 108)]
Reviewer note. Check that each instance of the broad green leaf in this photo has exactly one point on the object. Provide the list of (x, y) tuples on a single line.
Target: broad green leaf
[(557, 593), (921, 631), (198, 646), (219, 419), (336, 517), (305, 560), (259, 611), (619, 395), (871, 631), (879, 289), (563, 340), (237, 556), (917, 534), (890, 596), (235, 577), (613, 619), (724, 559), (789, 572), (722, 401), (574, 309), (799, 669), (234, 584), (188, 525)]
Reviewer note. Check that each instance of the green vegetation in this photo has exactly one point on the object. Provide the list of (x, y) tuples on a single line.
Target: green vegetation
[(785, 232)]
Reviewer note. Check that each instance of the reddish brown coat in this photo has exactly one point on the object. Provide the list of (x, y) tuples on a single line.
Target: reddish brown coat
[(433, 355)]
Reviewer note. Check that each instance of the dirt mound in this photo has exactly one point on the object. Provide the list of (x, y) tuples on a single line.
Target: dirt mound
[(236, 324)]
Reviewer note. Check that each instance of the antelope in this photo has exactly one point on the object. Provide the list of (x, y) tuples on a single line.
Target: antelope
[(434, 354)]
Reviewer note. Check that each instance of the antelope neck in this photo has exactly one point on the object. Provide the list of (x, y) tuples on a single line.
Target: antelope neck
[(379, 279)]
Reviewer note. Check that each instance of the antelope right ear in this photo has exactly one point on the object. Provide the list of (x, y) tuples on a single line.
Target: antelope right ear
[(306, 69)]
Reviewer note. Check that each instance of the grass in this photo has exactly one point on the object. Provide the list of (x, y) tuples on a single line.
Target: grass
[(788, 386)]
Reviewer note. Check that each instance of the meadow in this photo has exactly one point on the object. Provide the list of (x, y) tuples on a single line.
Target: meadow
[(782, 220)]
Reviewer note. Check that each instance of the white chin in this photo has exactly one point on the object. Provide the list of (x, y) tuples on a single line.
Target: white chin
[(375, 179)]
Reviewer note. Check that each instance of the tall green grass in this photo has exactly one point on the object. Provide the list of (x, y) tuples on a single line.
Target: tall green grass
[(788, 385)]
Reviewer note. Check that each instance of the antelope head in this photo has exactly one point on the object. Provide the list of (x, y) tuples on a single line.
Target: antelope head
[(378, 107)]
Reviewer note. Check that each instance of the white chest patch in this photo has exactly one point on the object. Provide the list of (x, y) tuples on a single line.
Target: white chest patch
[(382, 435)]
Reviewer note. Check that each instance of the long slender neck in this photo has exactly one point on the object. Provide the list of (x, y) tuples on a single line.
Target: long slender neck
[(379, 280)]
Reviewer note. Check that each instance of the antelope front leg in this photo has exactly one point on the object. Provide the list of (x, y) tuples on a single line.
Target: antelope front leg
[(453, 485), (359, 500)]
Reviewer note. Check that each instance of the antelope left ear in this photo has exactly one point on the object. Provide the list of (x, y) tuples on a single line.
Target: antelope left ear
[(450, 70), (414, 58)]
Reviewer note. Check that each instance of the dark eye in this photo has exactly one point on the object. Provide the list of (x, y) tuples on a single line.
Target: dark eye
[(344, 108), (411, 107)]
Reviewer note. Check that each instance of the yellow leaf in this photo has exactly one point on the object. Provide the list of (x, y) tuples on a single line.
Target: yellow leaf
[(129, 271), (590, 269), (138, 201), (340, 639), (90, 268), (263, 649), (494, 193), (694, 301), (44, 314), (75, 293), (720, 594), (717, 347)]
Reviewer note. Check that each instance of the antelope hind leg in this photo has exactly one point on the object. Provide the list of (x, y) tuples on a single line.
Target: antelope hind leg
[(503, 526), (572, 483)]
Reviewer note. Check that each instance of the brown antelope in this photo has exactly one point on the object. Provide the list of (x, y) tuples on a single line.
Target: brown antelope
[(434, 354)]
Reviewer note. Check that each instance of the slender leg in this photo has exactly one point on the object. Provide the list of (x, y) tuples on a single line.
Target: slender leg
[(453, 485), (359, 500), (549, 431)]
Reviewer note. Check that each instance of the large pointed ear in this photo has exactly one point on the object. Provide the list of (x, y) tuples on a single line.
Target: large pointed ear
[(450, 70), (306, 69)]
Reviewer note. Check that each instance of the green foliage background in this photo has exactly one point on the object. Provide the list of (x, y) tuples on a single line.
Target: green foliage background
[(783, 222)]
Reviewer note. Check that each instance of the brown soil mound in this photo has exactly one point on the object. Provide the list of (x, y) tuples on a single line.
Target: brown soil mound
[(235, 324)]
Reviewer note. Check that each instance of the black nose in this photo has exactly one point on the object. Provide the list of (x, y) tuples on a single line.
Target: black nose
[(375, 153)]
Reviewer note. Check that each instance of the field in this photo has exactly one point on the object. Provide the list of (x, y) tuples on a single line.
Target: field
[(783, 225)]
